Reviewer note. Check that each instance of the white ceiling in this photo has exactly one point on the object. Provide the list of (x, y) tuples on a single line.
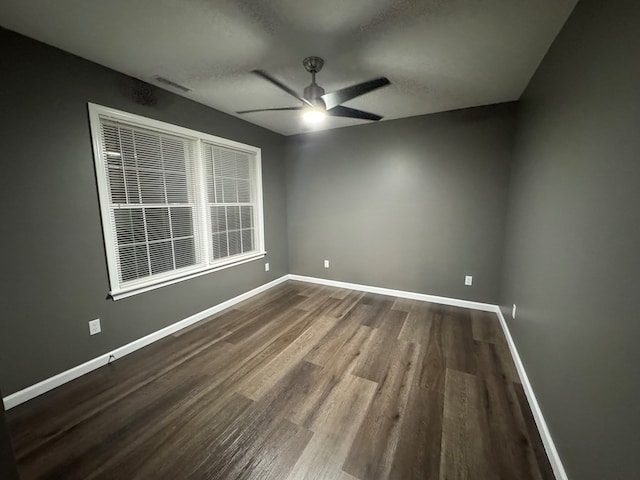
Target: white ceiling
[(439, 54)]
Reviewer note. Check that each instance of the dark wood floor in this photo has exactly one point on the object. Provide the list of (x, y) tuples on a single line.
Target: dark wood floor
[(301, 382)]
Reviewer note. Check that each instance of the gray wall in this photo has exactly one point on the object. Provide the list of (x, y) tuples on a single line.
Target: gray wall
[(54, 276), (413, 204), (572, 255)]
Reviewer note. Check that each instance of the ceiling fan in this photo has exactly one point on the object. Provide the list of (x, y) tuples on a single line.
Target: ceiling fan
[(316, 104)]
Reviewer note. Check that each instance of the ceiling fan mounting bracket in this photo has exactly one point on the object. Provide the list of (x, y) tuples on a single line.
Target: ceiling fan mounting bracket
[(313, 64)]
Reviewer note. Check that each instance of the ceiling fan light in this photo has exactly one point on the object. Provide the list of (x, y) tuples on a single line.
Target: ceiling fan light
[(314, 115)]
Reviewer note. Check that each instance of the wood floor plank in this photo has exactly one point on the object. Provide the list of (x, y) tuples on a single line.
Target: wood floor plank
[(334, 427), (260, 444), (486, 327), (305, 411), (260, 301), (403, 304), (376, 354), (350, 300), (495, 359), (255, 357), (54, 459), (174, 442), (466, 444), (301, 381), (512, 450), (316, 301), (324, 352), (418, 452), (373, 449), (265, 447), (432, 360), (251, 323), (381, 305), (264, 378), (457, 340), (417, 326)]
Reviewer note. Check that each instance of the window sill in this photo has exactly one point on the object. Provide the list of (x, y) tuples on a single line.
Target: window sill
[(163, 282)]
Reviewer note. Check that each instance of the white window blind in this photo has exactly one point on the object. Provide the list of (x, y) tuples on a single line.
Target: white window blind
[(174, 202), (230, 198)]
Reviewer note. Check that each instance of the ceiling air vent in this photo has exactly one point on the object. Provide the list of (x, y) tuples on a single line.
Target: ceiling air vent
[(169, 83)]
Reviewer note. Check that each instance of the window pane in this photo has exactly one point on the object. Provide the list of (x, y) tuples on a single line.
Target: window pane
[(185, 251), (247, 240), (230, 194), (233, 218), (134, 262), (128, 264), (246, 217), (127, 148), (181, 222), (152, 186), (147, 149), (132, 185), (158, 223), (211, 189), (177, 189), (160, 257), (225, 162), (219, 190), (234, 243), (129, 226), (219, 245), (242, 166), (244, 191), (218, 219), (116, 185), (174, 154), (111, 141)]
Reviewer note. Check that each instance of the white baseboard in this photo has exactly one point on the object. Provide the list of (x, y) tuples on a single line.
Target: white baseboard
[(44, 386), (545, 435), (487, 307)]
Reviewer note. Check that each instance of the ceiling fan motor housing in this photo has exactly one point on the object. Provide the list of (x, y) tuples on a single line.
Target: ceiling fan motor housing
[(313, 93)]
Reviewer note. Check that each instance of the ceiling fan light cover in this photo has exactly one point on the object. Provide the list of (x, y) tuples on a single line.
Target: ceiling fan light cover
[(314, 115)]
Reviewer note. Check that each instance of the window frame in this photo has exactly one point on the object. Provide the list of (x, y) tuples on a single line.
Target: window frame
[(145, 284)]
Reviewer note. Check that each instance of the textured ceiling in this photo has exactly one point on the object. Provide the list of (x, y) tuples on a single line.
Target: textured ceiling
[(439, 54)]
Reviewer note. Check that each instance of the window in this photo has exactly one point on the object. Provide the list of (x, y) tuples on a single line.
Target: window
[(175, 203)]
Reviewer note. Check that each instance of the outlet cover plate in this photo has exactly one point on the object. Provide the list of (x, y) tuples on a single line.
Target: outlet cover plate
[(94, 326), (468, 280)]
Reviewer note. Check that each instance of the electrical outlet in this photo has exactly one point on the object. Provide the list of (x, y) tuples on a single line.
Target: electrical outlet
[(326, 264), (94, 326), (468, 280), (513, 311), (266, 267)]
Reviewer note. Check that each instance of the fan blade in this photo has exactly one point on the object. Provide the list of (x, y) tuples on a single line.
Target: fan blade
[(341, 111), (333, 99), (281, 86), (270, 109)]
